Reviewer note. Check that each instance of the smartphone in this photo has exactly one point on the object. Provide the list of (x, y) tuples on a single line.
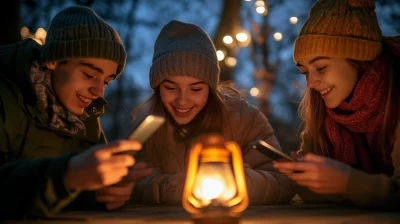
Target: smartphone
[(271, 152), (144, 131)]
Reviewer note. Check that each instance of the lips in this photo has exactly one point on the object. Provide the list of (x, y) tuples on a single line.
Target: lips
[(326, 91), (182, 111), (85, 101)]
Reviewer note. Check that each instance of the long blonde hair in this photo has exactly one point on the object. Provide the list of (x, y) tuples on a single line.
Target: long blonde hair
[(312, 112)]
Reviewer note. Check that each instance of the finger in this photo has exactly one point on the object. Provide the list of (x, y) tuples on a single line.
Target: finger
[(113, 176), (118, 191), (134, 175), (120, 146), (285, 171), (139, 166), (310, 157), (305, 176), (108, 198), (124, 183), (295, 156), (310, 184), (297, 166), (322, 190), (114, 205), (119, 161)]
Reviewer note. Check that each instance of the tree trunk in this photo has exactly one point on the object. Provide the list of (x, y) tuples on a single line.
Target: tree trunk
[(229, 23), (119, 118)]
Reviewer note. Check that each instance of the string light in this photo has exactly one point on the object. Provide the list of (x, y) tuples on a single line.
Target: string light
[(278, 36), (228, 39), (220, 55), (242, 37), (254, 91), (262, 10), (259, 3), (230, 61), (293, 20)]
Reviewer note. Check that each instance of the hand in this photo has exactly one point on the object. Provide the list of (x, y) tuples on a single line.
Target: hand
[(136, 172), (115, 196), (118, 194), (320, 174), (172, 191), (98, 166)]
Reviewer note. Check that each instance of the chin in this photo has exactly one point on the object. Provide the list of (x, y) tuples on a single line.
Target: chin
[(182, 121), (331, 105), (77, 112)]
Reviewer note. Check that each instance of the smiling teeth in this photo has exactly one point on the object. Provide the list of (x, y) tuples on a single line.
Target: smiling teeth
[(323, 92), (84, 99), (182, 110)]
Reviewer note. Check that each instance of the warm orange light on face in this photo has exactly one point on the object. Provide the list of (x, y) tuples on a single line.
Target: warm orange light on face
[(215, 177)]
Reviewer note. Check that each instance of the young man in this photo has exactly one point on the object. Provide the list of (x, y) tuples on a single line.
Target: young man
[(52, 148)]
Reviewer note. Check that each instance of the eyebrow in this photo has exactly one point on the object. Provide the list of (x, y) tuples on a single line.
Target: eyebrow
[(313, 60), (90, 65), (192, 84)]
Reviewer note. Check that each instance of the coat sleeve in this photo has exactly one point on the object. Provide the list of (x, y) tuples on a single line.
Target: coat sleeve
[(379, 190), (34, 187), (147, 190), (30, 187), (265, 184), (366, 190)]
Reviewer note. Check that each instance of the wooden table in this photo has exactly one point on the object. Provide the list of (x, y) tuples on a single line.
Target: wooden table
[(296, 213)]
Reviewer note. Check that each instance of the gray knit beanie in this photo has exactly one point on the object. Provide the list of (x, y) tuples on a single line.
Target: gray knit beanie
[(184, 49), (78, 32)]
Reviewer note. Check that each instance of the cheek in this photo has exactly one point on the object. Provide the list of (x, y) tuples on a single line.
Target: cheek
[(165, 97), (348, 79), (65, 85), (201, 99)]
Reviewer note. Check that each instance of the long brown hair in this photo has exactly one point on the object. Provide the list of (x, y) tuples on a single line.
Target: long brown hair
[(312, 111), (211, 119)]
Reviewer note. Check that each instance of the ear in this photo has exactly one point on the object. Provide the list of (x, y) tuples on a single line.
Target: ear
[(51, 65)]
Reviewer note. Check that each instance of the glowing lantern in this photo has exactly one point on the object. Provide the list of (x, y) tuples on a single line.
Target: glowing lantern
[(215, 187)]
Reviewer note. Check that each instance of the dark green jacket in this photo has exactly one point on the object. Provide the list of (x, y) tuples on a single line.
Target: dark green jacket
[(33, 156)]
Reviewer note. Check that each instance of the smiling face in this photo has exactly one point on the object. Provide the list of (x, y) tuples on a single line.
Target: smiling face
[(333, 78), (77, 82), (184, 97)]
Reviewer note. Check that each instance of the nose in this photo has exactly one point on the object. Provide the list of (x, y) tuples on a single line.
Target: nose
[(181, 98), (97, 88), (313, 80)]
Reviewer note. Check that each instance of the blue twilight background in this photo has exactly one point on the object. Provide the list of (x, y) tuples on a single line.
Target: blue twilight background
[(139, 22)]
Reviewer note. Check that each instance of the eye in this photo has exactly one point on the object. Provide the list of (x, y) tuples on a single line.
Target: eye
[(321, 69), (87, 75), (197, 89), (303, 72), (108, 81), (169, 88)]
